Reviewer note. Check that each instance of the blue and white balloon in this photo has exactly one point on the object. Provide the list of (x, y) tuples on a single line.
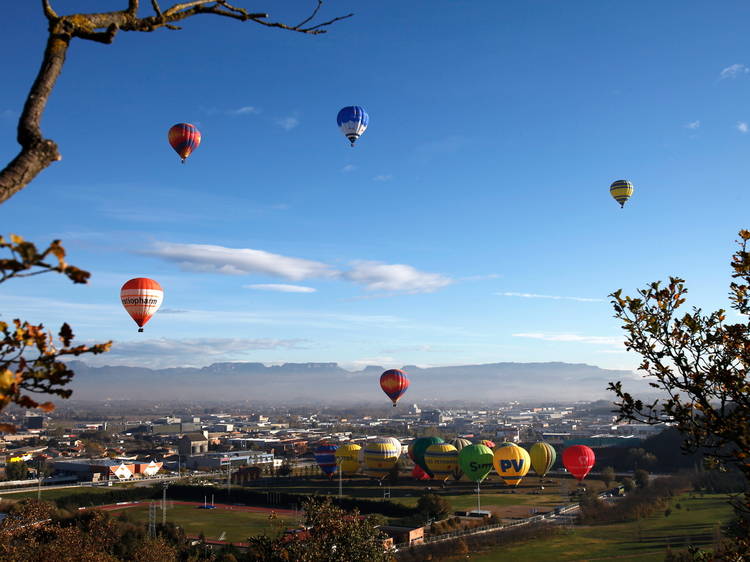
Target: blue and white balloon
[(353, 121)]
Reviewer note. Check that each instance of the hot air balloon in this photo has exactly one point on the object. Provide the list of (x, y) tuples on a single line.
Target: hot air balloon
[(578, 460), (543, 456), (184, 138), (141, 297), (418, 448), (381, 455), (353, 120), (621, 190), (347, 457), (325, 456), (487, 443), (442, 460), (476, 462), (511, 463), (419, 474), (459, 443), (394, 383)]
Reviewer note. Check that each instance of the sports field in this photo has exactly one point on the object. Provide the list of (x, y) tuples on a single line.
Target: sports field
[(640, 541)]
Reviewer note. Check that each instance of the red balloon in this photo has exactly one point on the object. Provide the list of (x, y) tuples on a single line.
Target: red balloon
[(394, 383), (578, 460), (419, 474), (184, 138)]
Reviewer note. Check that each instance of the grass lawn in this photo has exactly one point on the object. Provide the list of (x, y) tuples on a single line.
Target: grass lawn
[(54, 494), (644, 541), (238, 525)]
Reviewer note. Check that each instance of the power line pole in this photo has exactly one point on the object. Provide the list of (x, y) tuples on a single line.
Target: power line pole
[(164, 503)]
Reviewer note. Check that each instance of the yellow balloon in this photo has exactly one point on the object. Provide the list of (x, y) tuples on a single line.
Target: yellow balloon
[(442, 460), (381, 455), (512, 463), (347, 457)]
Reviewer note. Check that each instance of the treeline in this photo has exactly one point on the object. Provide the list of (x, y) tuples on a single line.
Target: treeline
[(91, 499), (653, 496), (459, 546)]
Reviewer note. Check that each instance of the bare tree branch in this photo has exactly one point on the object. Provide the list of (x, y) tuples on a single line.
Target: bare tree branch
[(37, 153)]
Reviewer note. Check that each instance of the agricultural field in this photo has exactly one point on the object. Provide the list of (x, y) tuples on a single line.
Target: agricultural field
[(694, 522)]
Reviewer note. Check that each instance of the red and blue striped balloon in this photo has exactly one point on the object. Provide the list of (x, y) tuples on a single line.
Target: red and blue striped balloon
[(325, 456), (184, 138), (394, 383)]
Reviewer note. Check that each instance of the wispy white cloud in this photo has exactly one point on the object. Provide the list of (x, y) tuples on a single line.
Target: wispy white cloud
[(383, 177), (693, 125), (372, 275), (553, 297), (733, 71), (481, 277), (742, 127), (280, 288), (570, 338), (349, 168), (8, 114), (397, 278), (239, 261), (244, 110), (287, 123)]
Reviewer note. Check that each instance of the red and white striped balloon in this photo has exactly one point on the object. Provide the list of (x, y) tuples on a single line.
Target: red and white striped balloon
[(141, 297)]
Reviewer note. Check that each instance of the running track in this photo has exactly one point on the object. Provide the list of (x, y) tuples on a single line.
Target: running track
[(227, 507)]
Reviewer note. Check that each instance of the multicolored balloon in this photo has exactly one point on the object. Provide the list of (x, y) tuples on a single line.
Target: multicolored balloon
[(442, 460), (347, 457), (475, 462), (417, 450), (511, 463), (184, 138), (381, 455), (353, 120), (459, 443), (543, 456), (487, 443), (325, 456), (394, 383), (621, 190), (578, 460), (141, 297)]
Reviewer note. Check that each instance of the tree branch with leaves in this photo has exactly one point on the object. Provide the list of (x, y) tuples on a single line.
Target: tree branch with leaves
[(37, 152)]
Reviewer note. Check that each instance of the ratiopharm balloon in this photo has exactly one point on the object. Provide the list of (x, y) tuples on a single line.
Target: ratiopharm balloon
[(459, 443), (325, 456), (578, 460), (347, 457), (394, 383), (141, 297), (621, 190), (417, 450), (184, 138), (442, 460), (475, 462), (381, 455), (419, 474), (511, 463), (353, 121), (543, 456)]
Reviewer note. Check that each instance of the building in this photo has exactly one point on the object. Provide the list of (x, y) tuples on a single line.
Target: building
[(87, 470), (218, 460), (193, 444)]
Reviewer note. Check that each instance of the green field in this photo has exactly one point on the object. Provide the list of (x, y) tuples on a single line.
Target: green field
[(644, 541), (238, 525), (56, 493)]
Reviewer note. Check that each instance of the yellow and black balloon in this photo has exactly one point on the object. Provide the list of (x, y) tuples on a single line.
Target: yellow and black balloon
[(621, 190)]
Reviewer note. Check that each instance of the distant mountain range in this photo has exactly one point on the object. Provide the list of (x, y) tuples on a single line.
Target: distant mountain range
[(327, 383)]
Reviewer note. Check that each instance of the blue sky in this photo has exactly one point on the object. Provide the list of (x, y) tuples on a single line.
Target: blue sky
[(478, 193)]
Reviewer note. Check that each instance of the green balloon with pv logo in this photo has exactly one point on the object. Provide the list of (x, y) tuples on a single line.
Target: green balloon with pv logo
[(475, 462)]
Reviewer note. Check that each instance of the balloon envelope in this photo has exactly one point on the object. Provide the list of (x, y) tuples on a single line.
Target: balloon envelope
[(419, 474), (394, 383), (475, 461), (578, 460), (141, 298), (381, 456), (418, 448), (347, 457), (621, 190), (353, 120), (543, 456), (325, 456), (442, 460), (511, 463), (459, 443), (184, 138), (487, 443)]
